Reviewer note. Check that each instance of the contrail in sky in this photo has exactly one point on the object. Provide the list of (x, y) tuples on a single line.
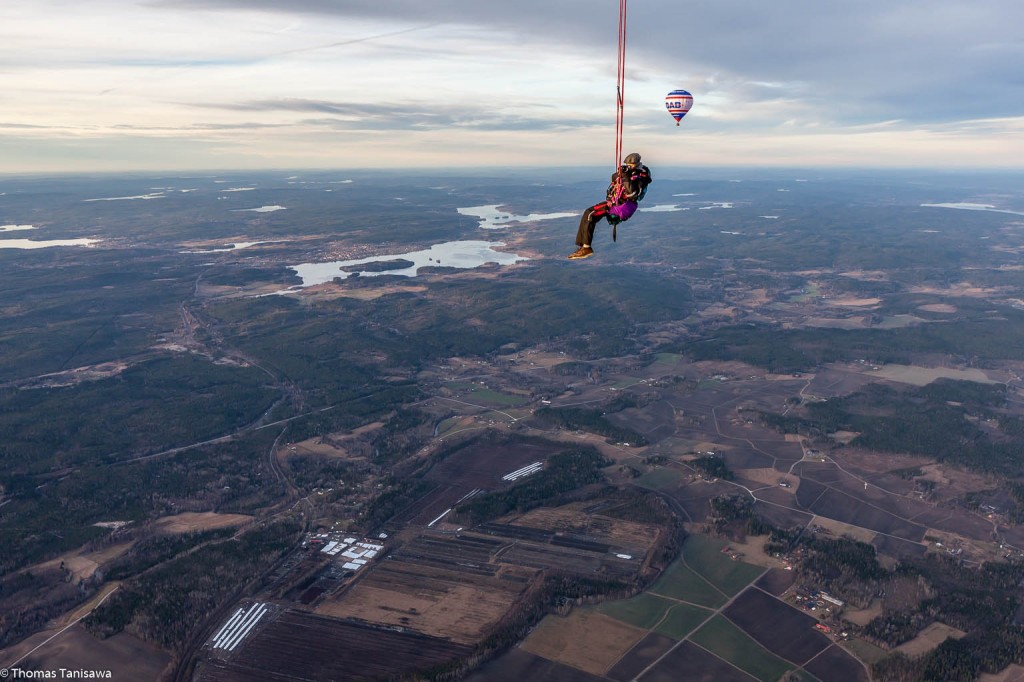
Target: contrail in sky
[(353, 41), (340, 43)]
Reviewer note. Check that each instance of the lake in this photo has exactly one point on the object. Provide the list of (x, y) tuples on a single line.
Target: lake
[(464, 254)]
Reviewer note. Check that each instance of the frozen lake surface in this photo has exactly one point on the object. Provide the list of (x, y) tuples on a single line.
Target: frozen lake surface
[(465, 254)]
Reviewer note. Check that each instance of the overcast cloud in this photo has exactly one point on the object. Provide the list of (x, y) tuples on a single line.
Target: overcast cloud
[(251, 83)]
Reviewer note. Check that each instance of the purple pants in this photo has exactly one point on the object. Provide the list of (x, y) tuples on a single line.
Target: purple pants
[(590, 218), (624, 210)]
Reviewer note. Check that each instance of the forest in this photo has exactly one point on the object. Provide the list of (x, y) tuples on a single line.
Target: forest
[(712, 467), (976, 336), (152, 406), (563, 473), (981, 602), (592, 420), (227, 476), (163, 604), (940, 420)]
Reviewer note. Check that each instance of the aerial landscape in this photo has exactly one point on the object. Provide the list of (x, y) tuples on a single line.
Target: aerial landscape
[(784, 442), (319, 361)]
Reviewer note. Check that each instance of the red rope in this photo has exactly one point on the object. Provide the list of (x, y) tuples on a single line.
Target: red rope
[(620, 85)]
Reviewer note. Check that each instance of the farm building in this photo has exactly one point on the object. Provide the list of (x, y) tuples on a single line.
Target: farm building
[(357, 552)]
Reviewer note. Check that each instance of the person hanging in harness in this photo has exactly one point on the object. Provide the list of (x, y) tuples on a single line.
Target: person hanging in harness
[(628, 186)]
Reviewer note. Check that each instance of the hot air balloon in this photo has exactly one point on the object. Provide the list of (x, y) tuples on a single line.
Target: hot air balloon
[(678, 102)]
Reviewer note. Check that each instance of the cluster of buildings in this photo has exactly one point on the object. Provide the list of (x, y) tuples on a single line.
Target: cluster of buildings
[(827, 606), (819, 599), (355, 553)]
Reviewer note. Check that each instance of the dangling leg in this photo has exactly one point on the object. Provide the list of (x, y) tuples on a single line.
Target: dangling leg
[(585, 233), (586, 228)]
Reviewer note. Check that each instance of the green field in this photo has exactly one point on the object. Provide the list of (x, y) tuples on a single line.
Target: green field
[(810, 292), (448, 424), (727, 641), (704, 555), (644, 610), (474, 393), (681, 621), (666, 359), (802, 676), (865, 651), (680, 582), (661, 478)]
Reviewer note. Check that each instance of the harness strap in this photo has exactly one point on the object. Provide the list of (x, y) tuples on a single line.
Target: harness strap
[(620, 84)]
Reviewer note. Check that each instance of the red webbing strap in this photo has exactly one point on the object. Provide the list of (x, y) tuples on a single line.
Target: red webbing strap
[(620, 85)]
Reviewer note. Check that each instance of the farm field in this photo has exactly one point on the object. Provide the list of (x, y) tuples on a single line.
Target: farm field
[(586, 519), (452, 424), (751, 550), (922, 376), (662, 478), (897, 548), (782, 516), (338, 446), (929, 638), (428, 587), (127, 657), (727, 641), (188, 522), (1013, 673), (721, 416), (776, 581), (704, 554), (679, 581), (585, 639), (84, 563), (864, 651), (779, 628), (822, 499), (643, 654), (835, 663), (655, 422), (539, 549), (676, 605), (643, 611), (695, 499), (518, 665), (838, 378), (432, 604), (459, 585), (700, 664), (839, 528), (487, 397), (302, 646), (681, 620)]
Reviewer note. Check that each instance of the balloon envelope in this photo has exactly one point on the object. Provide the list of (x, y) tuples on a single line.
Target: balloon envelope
[(678, 102)]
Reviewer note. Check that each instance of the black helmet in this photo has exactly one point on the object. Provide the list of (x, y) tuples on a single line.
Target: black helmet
[(632, 160)]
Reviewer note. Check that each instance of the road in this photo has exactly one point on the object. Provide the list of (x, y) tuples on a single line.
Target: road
[(60, 632)]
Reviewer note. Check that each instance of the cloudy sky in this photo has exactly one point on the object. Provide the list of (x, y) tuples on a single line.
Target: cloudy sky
[(104, 85)]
